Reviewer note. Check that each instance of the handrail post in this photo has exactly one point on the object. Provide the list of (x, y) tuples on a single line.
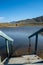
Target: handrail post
[(12, 48), (0, 59), (29, 46), (7, 47), (36, 42)]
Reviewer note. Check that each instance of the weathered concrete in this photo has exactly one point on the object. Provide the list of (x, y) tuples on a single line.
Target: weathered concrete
[(25, 60)]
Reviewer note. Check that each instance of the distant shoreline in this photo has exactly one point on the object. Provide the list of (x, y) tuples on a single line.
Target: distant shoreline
[(19, 24)]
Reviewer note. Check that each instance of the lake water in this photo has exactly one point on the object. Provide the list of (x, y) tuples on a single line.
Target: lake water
[(20, 36)]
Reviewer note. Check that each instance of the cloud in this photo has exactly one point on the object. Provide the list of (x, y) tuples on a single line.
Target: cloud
[(1, 18)]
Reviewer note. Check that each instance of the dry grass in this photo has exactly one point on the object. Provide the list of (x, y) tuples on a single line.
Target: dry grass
[(20, 24), (40, 54), (20, 52)]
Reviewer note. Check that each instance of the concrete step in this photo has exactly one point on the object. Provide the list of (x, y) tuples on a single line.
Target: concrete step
[(25, 60)]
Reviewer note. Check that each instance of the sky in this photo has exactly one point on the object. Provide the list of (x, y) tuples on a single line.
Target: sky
[(14, 10)]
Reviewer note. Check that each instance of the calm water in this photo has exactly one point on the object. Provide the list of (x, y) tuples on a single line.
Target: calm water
[(20, 36)]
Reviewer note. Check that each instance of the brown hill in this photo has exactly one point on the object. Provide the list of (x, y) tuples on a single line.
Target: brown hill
[(28, 22), (33, 20)]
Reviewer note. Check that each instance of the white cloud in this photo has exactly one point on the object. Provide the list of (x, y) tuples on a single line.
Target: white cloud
[(1, 18)]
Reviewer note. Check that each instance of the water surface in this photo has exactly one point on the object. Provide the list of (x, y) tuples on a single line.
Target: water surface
[(20, 36)]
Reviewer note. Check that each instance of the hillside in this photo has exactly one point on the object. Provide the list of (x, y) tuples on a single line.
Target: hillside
[(28, 22), (33, 20)]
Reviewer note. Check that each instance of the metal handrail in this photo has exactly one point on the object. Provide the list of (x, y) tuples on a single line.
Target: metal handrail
[(5, 36), (7, 39), (36, 42), (36, 33)]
